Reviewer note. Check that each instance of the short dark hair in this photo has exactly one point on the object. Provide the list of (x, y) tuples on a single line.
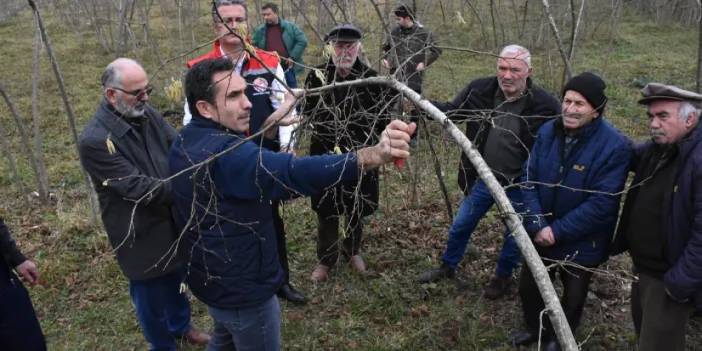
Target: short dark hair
[(217, 3), (199, 84), (270, 5)]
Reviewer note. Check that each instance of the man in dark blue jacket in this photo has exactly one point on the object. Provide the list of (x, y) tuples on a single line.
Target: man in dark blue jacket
[(573, 182), (661, 224), (223, 190)]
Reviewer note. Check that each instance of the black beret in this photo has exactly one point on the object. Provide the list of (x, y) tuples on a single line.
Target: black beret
[(344, 32)]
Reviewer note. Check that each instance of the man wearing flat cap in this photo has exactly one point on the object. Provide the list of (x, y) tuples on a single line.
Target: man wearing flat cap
[(581, 151), (661, 223), (344, 119)]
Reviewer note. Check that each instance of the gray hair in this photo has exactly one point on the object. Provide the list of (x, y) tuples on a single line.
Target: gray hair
[(219, 3), (686, 108), (517, 52), (111, 77)]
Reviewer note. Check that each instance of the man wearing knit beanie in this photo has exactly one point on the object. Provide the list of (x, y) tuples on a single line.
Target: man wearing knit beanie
[(589, 160)]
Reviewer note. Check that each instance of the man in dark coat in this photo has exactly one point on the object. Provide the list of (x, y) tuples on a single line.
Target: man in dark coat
[(574, 178), (661, 223), (503, 115), (124, 148), (410, 45), (224, 204), (344, 119), (19, 327)]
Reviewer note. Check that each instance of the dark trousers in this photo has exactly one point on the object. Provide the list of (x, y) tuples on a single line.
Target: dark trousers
[(575, 283), (660, 322), (163, 311), (280, 238), (19, 327), (328, 238)]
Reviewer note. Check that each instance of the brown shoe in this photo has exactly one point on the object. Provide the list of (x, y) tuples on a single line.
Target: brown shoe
[(320, 273), (497, 287), (196, 337), (356, 262)]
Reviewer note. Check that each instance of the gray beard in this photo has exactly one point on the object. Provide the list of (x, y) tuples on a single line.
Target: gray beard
[(129, 112)]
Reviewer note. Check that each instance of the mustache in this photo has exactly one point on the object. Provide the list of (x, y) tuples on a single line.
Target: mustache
[(656, 132)]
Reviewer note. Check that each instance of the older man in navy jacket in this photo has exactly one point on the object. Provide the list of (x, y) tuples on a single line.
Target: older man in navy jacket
[(661, 224), (223, 192), (574, 177)]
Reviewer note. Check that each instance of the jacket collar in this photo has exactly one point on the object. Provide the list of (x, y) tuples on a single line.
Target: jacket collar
[(689, 143), (202, 122), (113, 121), (584, 132)]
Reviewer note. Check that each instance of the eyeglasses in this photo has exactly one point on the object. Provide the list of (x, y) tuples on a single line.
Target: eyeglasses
[(231, 20), (139, 93)]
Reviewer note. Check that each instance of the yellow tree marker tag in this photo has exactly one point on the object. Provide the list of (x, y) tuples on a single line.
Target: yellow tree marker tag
[(110, 146)]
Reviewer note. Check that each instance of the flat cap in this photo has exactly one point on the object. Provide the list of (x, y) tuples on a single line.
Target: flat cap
[(658, 91), (344, 32)]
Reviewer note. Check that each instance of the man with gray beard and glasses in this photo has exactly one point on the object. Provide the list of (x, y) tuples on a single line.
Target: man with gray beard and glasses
[(124, 148)]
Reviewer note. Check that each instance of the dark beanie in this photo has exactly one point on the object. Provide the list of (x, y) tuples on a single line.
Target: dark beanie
[(590, 86)]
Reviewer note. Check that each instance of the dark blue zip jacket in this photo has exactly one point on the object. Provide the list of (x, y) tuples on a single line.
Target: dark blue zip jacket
[(223, 209), (577, 196)]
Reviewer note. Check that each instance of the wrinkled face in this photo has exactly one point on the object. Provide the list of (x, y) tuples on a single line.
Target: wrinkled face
[(235, 17), (231, 108), (130, 98), (404, 22), (345, 53), (269, 16), (577, 111), (512, 74), (666, 125)]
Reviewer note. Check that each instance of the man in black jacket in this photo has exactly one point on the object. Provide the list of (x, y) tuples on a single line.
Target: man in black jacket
[(503, 114), (410, 49), (661, 222), (124, 148), (19, 327), (344, 119)]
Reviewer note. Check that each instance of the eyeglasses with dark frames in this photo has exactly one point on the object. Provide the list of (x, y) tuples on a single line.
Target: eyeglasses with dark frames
[(139, 93)]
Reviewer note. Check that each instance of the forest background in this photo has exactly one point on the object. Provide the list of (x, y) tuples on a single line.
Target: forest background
[(83, 302)]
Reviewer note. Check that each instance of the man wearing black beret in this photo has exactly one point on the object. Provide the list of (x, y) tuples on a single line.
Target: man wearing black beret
[(344, 119)]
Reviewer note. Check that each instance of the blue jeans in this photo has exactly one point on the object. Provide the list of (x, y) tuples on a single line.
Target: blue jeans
[(254, 328), (290, 78), (473, 208), (163, 312)]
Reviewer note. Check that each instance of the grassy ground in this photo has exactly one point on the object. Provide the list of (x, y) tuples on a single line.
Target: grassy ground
[(83, 302)]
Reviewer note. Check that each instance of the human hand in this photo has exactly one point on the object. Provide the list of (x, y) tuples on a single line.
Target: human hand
[(420, 67), (28, 272), (393, 144), (545, 237), (386, 63)]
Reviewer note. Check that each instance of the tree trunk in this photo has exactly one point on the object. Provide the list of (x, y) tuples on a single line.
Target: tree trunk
[(94, 207), (42, 177), (557, 35), (25, 145)]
